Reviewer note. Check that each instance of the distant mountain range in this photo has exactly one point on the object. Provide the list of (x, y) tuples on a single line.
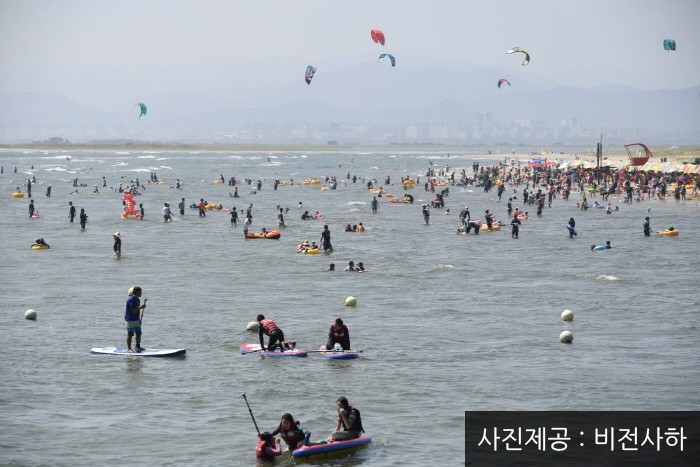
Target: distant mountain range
[(371, 94)]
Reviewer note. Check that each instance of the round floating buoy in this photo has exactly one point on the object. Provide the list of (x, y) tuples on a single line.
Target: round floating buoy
[(566, 337), (30, 315), (351, 301), (567, 315), (253, 326)]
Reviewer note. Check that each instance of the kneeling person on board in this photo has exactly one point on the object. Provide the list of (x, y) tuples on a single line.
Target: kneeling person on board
[(270, 329), (349, 424), (292, 432), (133, 318), (338, 334)]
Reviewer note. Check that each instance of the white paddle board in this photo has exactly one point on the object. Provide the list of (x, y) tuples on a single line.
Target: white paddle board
[(122, 351)]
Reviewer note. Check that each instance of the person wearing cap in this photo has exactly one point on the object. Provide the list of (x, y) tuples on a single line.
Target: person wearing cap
[(269, 328), (117, 245), (132, 317), (202, 208), (338, 334)]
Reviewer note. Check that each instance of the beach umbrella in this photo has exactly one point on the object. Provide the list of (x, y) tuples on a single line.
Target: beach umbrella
[(697, 169), (688, 168)]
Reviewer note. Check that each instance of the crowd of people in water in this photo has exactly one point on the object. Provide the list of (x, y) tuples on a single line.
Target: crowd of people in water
[(525, 187)]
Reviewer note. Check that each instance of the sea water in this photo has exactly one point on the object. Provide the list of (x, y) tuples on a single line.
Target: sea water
[(447, 322)]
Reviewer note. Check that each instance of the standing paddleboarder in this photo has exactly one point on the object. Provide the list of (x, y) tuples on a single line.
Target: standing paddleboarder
[(133, 318)]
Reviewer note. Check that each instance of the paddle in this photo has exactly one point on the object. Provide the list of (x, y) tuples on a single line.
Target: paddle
[(251, 413), (143, 310)]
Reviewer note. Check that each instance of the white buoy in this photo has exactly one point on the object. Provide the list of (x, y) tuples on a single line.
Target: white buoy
[(567, 315), (566, 337), (351, 301), (30, 314), (253, 326)]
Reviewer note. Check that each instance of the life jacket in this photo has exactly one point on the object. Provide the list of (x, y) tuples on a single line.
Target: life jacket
[(293, 436), (357, 424), (268, 326), (339, 332), (260, 451)]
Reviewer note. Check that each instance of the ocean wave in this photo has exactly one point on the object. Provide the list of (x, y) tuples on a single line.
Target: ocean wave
[(55, 169), (605, 277), (145, 157), (355, 203)]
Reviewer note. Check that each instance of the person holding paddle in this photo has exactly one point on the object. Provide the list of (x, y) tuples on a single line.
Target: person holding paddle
[(133, 317)]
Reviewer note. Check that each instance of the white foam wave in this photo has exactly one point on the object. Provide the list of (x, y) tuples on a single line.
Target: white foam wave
[(605, 277)]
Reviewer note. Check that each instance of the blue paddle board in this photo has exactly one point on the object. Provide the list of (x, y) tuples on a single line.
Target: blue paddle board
[(308, 451), (342, 355), (571, 230), (144, 353)]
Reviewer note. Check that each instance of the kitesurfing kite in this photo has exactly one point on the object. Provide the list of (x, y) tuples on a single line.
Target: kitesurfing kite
[(377, 36), (501, 81), (144, 110), (669, 44), (518, 49), (391, 57), (309, 73)]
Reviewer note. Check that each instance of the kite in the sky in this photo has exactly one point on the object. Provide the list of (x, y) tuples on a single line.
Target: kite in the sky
[(518, 49), (501, 81), (310, 70), (669, 44), (144, 110), (377, 36), (390, 57)]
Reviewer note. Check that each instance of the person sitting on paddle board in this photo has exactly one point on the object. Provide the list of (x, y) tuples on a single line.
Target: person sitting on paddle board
[(291, 431), (268, 447), (270, 328), (349, 420), (338, 334), (133, 318)]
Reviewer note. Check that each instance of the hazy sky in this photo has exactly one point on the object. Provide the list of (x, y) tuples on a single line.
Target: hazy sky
[(56, 45)]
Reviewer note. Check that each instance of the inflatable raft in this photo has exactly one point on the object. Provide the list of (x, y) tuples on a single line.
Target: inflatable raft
[(39, 247), (271, 234), (306, 452), (18, 194), (668, 233)]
